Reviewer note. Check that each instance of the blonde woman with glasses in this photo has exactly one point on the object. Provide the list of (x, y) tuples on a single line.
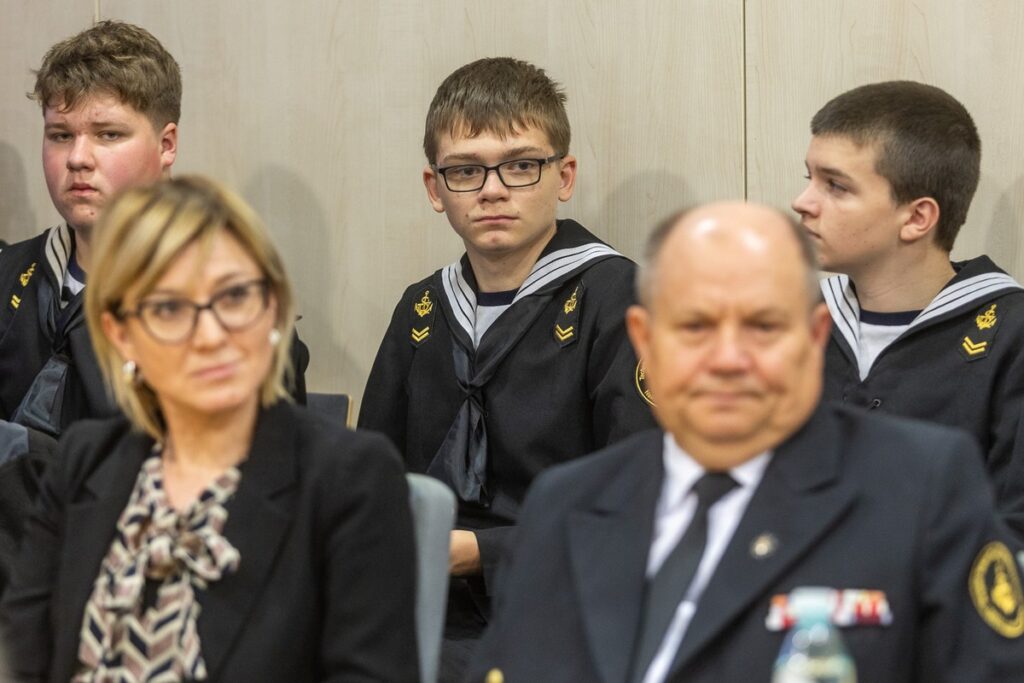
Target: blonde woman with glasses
[(220, 532)]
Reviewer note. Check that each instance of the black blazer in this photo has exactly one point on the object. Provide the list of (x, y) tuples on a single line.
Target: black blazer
[(851, 501), (325, 587)]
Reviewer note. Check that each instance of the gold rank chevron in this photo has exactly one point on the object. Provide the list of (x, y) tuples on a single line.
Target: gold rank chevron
[(563, 334), (973, 349), (15, 300), (420, 335)]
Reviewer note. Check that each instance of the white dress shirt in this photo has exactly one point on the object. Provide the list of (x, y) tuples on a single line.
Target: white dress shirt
[(676, 506)]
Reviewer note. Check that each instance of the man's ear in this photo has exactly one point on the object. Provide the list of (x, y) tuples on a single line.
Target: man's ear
[(922, 215), (638, 326), (430, 180), (567, 176), (821, 325), (168, 146)]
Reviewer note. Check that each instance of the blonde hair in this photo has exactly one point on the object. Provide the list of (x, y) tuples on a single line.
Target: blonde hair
[(138, 237)]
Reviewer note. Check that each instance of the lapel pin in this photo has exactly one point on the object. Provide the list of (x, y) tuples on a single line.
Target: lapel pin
[(764, 546)]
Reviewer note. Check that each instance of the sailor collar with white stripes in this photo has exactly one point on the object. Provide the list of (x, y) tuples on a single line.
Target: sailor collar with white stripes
[(569, 251), (976, 281)]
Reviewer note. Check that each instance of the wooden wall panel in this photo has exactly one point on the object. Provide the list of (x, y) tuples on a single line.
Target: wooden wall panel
[(800, 53), (314, 109), (27, 30)]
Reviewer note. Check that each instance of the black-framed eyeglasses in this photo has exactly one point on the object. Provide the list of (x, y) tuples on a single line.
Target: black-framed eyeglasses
[(172, 320), (512, 173)]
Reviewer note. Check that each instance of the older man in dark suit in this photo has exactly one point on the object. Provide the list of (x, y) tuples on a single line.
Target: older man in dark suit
[(670, 556)]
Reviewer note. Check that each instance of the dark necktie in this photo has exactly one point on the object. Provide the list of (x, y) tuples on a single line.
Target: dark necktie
[(668, 587)]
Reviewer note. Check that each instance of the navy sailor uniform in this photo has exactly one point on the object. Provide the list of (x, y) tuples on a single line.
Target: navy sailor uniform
[(959, 363), (554, 377)]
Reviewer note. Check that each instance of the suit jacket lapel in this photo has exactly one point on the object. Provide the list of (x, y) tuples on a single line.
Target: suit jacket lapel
[(90, 528), (258, 518), (608, 548), (799, 499)]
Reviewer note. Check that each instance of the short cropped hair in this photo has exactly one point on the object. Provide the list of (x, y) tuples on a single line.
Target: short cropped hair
[(928, 145), (116, 58), (138, 237), (500, 95), (645, 271)]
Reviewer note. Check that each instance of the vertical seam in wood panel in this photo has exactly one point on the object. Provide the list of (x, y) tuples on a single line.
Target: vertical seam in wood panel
[(743, 89), (96, 12)]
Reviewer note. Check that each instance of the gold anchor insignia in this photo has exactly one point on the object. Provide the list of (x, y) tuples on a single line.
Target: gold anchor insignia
[(570, 303), (27, 275), (425, 306), (15, 300), (973, 349), (996, 590), (563, 334), (641, 383), (420, 335), (987, 319), (1002, 593)]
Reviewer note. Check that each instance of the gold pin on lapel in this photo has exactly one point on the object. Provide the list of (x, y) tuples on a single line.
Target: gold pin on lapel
[(495, 676), (764, 546)]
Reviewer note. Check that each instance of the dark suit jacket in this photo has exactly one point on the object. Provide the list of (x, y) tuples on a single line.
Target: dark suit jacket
[(855, 502), (325, 587)]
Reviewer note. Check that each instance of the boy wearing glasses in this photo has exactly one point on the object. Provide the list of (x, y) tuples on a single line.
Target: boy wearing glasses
[(515, 357)]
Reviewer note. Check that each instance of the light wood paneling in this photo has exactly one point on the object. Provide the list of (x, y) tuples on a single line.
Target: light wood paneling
[(800, 53), (314, 109), (27, 30)]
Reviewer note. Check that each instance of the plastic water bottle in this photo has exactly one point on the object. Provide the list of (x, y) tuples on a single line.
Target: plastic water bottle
[(813, 650)]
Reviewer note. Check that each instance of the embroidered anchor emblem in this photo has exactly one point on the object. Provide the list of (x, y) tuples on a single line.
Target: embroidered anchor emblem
[(425, 305), (987, 319), (972, 348), (570, 303), (27, 275), (564, 334)]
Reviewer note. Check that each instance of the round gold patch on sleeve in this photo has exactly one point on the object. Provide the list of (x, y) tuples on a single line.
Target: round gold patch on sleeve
[(996, 590), (641, 383)]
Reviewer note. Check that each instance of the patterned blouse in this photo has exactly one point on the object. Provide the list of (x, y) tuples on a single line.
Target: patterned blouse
[(140, 623)]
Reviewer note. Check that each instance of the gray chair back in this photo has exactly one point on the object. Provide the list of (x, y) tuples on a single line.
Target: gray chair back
[(433, 512), (334, 406)]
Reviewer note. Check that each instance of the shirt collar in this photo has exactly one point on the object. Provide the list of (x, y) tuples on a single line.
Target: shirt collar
[(682, 472)]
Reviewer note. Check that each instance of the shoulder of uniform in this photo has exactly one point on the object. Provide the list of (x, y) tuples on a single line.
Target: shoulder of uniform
[(29, 248), (416, 289)]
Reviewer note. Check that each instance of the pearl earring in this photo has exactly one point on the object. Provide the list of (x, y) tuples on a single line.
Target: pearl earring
[(275, 336)]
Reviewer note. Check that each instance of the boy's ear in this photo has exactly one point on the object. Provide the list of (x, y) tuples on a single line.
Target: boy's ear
[(567, 174), (168, 146), (430, 180), (922, 215)]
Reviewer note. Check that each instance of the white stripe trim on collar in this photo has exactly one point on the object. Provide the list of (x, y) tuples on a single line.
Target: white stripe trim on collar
[(843, 306), (546, 270), (845, 309), (460, 296), (58, 251)]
